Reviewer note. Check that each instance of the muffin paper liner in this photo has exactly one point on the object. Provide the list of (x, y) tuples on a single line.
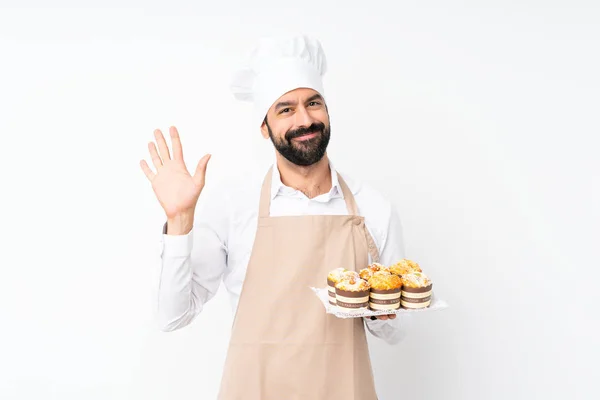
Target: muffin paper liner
[(322, 294)]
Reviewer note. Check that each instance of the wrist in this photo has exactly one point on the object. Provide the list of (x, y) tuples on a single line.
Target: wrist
[(180, 224)]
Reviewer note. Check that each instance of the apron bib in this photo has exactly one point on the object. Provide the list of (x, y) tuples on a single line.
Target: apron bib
[(283, 345)]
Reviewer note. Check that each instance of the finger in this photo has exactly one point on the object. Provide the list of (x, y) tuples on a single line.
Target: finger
[(176, 144), (383, 317), (392, 316), (163, 149), (154, 154), (201, 170), (147, 171)]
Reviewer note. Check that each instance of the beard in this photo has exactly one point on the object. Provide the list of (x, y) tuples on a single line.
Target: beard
[(306, 152)]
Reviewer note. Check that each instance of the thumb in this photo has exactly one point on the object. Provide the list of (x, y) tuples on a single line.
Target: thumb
[(201, 170)]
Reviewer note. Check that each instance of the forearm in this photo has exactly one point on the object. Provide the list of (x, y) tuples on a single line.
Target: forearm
[(179, 300), (191, 271)]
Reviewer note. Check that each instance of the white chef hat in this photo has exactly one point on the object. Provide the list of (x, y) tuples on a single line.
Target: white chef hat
[(276, 66)]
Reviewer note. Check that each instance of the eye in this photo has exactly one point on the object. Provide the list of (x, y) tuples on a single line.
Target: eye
[(314, 103), (284, 110)]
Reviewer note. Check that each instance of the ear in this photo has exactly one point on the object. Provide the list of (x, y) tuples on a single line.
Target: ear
[(264, 130)]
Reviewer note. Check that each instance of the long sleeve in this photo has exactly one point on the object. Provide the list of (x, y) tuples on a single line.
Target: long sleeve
[(392, 331), (192, 266)]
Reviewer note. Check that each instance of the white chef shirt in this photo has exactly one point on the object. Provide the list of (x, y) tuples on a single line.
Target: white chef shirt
[(218, 247)]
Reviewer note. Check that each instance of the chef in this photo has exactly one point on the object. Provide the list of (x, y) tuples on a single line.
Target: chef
[(269, 240)]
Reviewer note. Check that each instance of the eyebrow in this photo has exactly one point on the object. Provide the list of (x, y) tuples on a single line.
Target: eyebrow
[(293, 103), (314, 97)]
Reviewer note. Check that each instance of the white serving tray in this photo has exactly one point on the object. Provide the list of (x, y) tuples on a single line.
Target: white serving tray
[(322, 294)]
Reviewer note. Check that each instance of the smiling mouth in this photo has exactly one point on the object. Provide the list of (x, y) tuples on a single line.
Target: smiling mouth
[(308, 136)]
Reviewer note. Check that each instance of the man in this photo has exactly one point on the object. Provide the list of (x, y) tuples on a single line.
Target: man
[(270, 241)]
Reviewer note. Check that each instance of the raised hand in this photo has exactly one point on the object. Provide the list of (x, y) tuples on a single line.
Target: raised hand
[(176, 190)]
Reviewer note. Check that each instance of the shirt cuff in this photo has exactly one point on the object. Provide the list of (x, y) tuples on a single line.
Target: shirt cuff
[(177, 245), (376, 324)]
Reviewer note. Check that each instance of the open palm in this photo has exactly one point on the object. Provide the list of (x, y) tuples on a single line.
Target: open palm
[(176, 190)]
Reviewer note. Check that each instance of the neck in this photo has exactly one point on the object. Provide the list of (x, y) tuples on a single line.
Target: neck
[(312, 180)]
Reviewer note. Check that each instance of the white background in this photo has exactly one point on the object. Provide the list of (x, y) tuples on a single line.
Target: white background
[(478, 119)]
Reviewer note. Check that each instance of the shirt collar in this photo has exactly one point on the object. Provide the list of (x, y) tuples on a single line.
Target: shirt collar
[(277, 186)]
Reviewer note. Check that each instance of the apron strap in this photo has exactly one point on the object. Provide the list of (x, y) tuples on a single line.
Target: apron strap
[(373, 251), (265, 207), (353, 210), (348, 197)]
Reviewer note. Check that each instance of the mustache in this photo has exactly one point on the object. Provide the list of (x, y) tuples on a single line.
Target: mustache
[(315, 127)]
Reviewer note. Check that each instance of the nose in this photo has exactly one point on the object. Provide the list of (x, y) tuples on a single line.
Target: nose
[(303, 119)]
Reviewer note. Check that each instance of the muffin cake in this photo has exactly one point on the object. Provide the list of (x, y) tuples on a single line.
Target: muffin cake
[(385, 291), (367, 273), (352, 293), (336, 276), (404, 267), (416, 290)]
